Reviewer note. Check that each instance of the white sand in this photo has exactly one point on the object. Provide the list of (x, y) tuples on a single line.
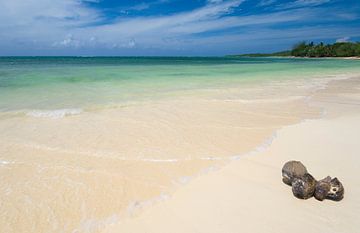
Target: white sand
[(82, 171), (86, 172), (249, 196)]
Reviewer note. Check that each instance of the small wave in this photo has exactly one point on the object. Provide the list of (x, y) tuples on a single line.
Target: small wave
[(261, 148), (267, 100), (55, 114), (136, 206), (95, 225), (4, 162)]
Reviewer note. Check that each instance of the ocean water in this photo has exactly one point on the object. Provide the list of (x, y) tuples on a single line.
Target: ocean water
[(55, 83), (88, 142)]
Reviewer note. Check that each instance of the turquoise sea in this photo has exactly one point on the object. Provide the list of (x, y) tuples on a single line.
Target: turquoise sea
[(49, 83)]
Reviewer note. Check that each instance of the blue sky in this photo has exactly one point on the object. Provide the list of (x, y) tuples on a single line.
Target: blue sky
[(171, 27)]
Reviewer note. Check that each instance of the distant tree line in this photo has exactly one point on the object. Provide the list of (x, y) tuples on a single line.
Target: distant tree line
[(339, 49)]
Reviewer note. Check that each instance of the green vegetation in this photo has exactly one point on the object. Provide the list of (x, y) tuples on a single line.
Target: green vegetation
[(341, 49), (303, 49)]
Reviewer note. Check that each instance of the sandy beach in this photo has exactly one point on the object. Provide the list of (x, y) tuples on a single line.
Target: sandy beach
[(248, 195), (114, 144)]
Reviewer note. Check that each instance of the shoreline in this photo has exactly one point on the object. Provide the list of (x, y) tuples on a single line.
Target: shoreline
[(341, 58), (246, 191), (115, 163)]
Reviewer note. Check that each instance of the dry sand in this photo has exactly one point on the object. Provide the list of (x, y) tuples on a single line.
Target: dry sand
[(248, 195)]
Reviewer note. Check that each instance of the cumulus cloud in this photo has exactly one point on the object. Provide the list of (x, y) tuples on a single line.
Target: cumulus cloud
[(129, 44), (69, 41)]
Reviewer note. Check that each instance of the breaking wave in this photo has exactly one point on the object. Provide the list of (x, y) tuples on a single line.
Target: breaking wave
[(55, 114)]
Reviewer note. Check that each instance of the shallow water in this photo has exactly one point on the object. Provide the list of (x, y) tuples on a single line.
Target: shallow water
[(61, 83), (86, 142)]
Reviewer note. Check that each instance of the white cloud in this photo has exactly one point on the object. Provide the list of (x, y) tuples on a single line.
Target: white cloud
[(92, 1), (343, 39), (26, 12), (69, 41), (48, 20), (215, 1), (43, 20), (143, 5), (266, 2), (303, 3), (144, 25), (129, 44)]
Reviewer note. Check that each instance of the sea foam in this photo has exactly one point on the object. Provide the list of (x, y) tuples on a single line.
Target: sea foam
[(54, 114), (4, 162)]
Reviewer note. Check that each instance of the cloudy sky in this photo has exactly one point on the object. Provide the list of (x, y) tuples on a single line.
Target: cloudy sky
[(171, 27)]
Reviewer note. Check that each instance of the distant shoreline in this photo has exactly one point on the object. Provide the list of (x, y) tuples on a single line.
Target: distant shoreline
[(338, 50), (345, 58), (273, 56)]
